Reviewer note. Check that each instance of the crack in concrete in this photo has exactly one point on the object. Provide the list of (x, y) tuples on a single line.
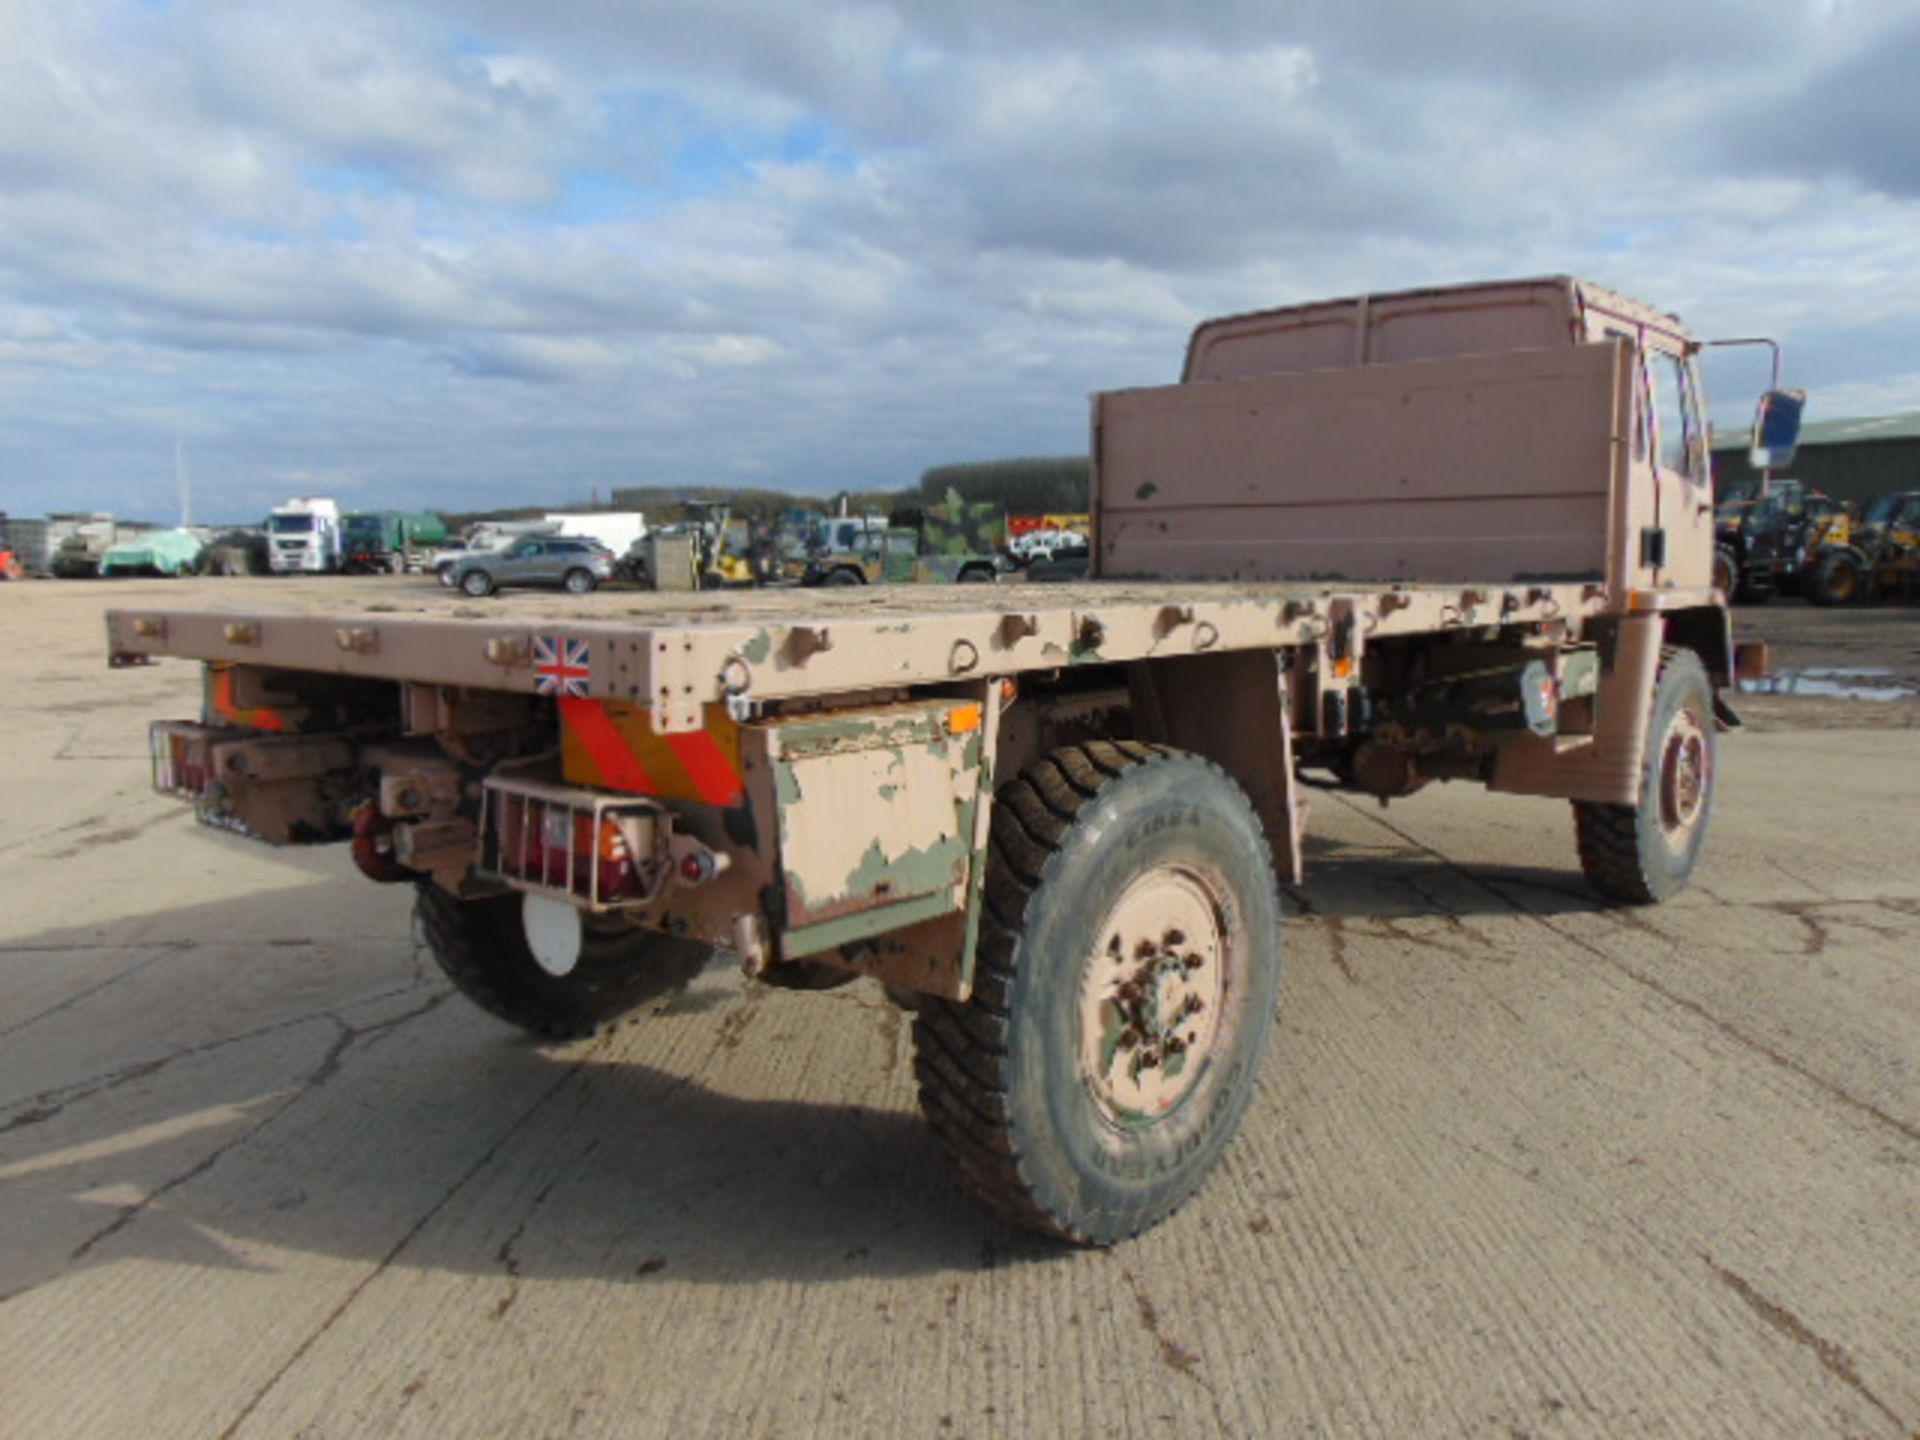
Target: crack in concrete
[(507, 1254), (325, 1070), (78, 996), (728, 1035), (47, 1104), (1629, 919), (1733, 1032), (1175, 1356), (1336, 931), (412, 1233), (120, 835), (1833, 1358), (161, 808)]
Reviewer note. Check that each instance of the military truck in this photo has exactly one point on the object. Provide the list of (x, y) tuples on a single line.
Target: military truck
[(953, 543), (1442, 535), (85, 544)]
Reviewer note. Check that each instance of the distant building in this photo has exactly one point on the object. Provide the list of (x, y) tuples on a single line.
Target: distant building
[(1849, 459)]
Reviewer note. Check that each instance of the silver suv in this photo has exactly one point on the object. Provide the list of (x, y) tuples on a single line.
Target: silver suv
[(576, 566)]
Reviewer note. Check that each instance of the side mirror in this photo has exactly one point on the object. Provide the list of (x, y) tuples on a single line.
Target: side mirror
[(1776, 429)]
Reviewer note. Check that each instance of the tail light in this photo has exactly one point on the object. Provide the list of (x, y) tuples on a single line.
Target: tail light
[(182, 758), (592, 848)]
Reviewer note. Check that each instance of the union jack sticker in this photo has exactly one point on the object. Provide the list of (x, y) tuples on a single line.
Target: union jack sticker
[(561, 666)]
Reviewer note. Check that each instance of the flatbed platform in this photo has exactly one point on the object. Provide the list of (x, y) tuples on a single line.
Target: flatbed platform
[(678, 653)]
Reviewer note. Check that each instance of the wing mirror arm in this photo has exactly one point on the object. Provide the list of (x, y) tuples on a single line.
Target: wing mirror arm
[(1776, 421)]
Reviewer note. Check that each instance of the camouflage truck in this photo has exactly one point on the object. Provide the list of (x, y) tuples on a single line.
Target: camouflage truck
[(1459, 534), (954, 543)]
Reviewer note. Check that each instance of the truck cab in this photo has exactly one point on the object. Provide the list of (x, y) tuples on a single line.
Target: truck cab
[(303, 537)]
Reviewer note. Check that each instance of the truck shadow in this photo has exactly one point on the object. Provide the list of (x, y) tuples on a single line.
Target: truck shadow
[(364, 1112), (1404, 882)]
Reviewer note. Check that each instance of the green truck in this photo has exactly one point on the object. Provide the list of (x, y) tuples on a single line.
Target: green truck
[(392, 541)]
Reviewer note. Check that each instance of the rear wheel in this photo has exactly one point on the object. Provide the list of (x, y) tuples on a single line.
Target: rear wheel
[(477, 583), (481, 945), (1124, 992), (842, 576), (976, 575), (1647, 852)]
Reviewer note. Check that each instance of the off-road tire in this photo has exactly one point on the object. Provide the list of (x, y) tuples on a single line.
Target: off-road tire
[(476, 583), (578, 582), (841, 575), (480, 946), (1726, 572), (1636, 853), (1837, 579), (975, 575), (1003, 1079)]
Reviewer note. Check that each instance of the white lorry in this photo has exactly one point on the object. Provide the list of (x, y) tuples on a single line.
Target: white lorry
[(303, 536), (618, 530)]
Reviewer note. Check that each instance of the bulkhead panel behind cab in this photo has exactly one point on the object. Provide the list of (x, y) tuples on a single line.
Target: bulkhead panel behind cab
[(1506, 467)]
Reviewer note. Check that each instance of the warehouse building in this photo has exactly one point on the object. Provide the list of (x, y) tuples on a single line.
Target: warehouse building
[(1851, 460)]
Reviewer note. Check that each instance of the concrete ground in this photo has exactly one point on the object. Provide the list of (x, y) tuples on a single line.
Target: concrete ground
[(1521, 1166)]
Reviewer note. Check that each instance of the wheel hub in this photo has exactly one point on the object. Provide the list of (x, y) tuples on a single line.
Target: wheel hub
[(1685, 775), (1151, 996)]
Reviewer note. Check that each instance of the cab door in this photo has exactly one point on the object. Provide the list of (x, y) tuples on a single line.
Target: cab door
[(1679, 545)]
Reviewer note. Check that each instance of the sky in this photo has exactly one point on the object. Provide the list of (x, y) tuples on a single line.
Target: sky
[(460, 254)]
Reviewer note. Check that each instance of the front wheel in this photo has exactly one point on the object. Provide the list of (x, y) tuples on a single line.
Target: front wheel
[(477, 583), (1124, 992), (481, 946), (1838, 579), (578, 582), (1726, 572), (842, 576), (1646, 853)]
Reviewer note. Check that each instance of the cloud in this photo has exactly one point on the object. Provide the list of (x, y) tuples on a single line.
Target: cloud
[(478, 251)]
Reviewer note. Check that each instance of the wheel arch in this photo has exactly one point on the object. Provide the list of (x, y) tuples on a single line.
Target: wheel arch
[(1707, 630), (1176, 703)]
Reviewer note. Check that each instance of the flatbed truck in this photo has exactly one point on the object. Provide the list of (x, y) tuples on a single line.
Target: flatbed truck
[(1461, 534)]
